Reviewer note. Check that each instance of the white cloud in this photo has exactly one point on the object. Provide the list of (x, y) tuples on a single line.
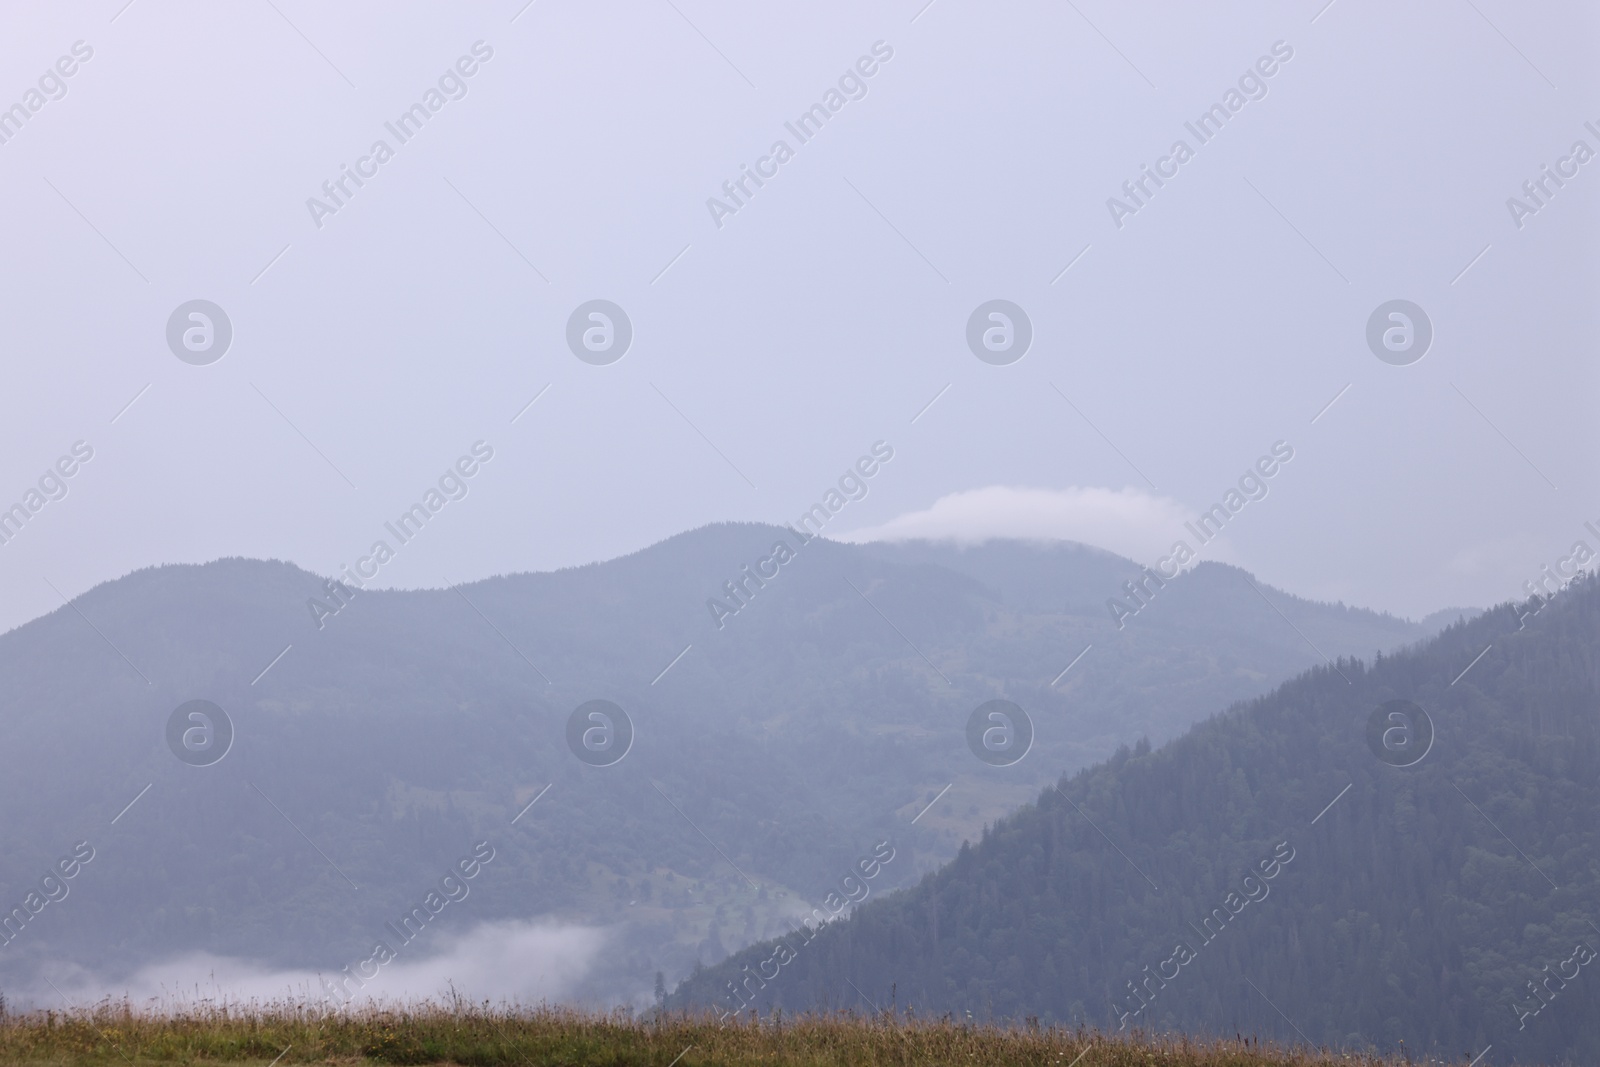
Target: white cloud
[(1129, 522), (510, 960)]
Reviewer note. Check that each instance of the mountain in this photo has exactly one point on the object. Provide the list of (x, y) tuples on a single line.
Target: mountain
[(378, 737), (1306, 865)]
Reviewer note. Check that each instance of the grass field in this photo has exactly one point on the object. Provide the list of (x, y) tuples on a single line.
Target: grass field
[(259, 1035)]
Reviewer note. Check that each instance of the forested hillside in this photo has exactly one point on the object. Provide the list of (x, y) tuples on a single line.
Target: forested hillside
[(407, 726), (1304, 865)]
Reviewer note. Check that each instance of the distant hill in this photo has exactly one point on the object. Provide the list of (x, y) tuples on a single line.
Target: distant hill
[(1268, 873), (769, 753), (1435, 621)]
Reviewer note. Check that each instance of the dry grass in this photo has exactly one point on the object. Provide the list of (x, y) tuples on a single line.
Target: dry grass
[(290, 1033)]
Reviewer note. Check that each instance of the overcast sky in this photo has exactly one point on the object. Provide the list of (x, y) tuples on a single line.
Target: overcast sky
[(1173, 344)]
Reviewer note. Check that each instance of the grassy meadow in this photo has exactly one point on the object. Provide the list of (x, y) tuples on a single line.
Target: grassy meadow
[(284, 1033)]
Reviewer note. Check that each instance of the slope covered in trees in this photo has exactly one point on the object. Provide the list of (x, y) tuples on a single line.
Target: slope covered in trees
[(1268, 872)]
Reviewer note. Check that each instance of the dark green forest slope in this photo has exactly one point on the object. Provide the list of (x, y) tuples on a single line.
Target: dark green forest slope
[(1269, 873), (410, 725)]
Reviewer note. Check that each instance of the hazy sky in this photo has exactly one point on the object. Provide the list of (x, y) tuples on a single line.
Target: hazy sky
[(374, 344)]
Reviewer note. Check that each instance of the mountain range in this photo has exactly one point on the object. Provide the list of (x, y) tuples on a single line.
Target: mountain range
[(376, 737)]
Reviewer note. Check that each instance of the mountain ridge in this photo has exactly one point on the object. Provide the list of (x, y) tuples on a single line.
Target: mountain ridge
[(767, 757)]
